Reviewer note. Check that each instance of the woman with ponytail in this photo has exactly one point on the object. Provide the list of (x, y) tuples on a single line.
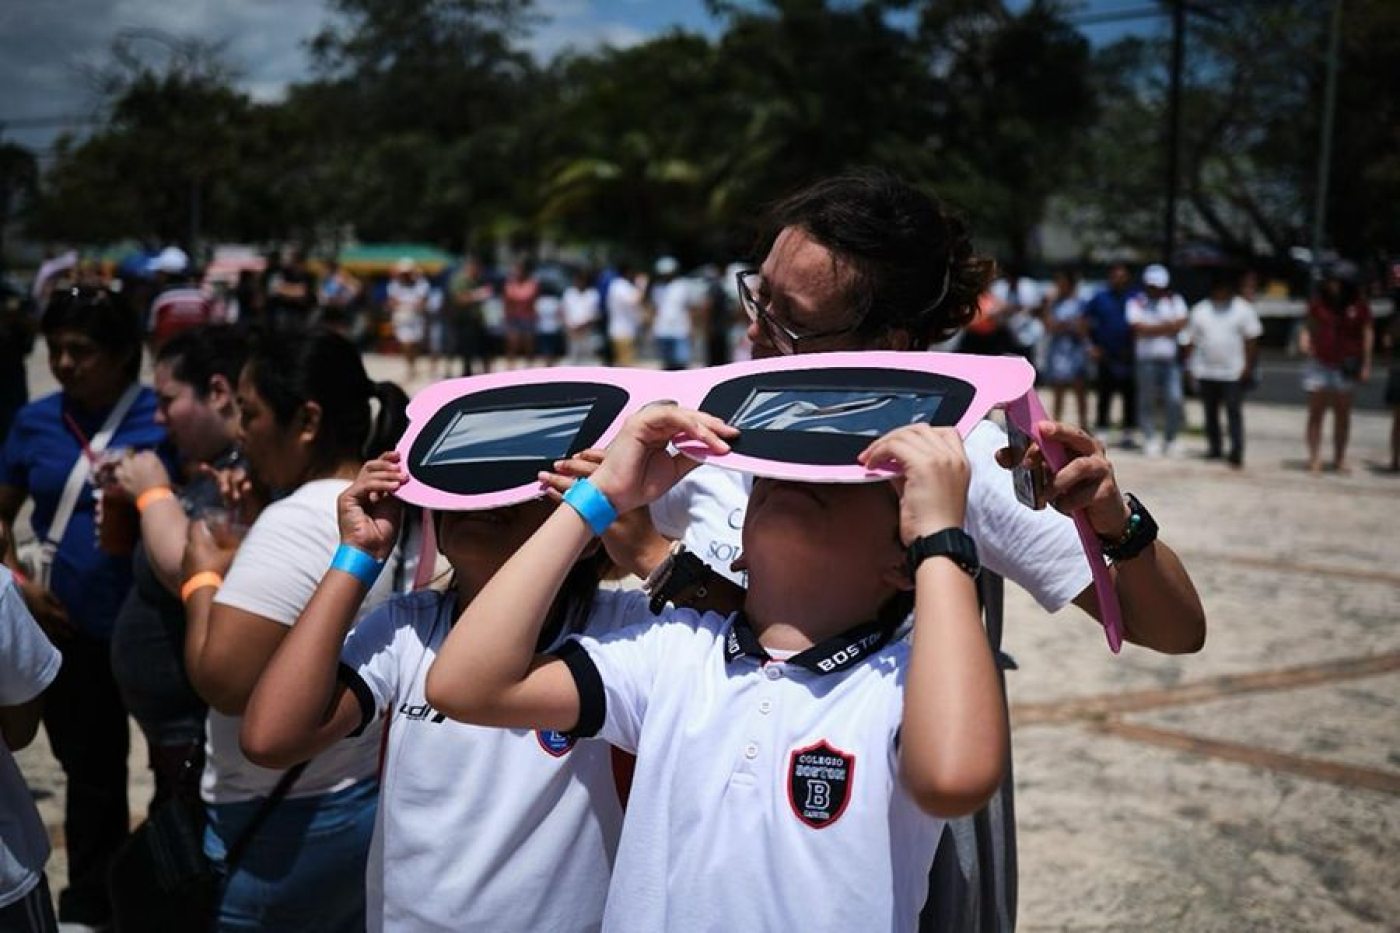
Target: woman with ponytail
[(291, 846)]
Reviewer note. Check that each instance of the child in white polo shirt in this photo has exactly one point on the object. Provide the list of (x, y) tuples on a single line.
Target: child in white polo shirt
[(793, 760), (477, 829)]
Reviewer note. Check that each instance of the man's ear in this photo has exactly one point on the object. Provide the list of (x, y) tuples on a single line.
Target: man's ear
[(740, 564), (310, 426), (898, 339), (219, 394)]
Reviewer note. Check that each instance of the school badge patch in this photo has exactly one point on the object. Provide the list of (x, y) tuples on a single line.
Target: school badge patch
[(556, 743), (819, 783)]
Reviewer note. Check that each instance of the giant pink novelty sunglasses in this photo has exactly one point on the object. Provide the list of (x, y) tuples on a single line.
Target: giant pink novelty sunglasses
[(480, 442)]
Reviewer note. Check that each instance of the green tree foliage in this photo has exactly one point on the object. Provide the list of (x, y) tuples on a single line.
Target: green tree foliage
[(428, 120), (19, 181), (1252, 104), (1013, 103)]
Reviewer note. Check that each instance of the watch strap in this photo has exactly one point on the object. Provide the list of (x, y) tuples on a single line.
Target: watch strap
[(1141, 532), (953, 543)]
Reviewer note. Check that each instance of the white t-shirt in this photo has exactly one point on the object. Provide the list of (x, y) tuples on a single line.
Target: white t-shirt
[(672, 310), (1218, 334), (28, 664), (1027, 294), (1165, 310), (580, 306), (478, 828), (277, 568), (547, 315), (1039, 550), (766, 795), (624, 309), (408, 307)]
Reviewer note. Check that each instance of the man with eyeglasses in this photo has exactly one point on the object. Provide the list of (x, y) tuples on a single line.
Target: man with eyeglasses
[(868, 262)]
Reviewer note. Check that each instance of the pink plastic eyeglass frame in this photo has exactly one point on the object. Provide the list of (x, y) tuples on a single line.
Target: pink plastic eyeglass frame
[(983, 383)]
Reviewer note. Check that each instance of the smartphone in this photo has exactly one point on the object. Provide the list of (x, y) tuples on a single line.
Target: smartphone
[(1028, 484)]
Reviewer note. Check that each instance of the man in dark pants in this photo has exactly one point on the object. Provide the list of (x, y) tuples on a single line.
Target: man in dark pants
[(1111, 346), (1223, 333)]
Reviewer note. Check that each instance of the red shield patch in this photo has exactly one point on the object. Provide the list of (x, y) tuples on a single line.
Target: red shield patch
[(819, 783)]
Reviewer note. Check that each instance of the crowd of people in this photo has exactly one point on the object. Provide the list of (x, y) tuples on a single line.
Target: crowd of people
[(515, 747)]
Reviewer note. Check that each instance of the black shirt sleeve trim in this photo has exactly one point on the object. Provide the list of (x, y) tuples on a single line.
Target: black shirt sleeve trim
[(592, 702), (356, 685)]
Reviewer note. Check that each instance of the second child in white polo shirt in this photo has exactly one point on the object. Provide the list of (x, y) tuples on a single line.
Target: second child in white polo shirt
[(477, 828), (794, 760)]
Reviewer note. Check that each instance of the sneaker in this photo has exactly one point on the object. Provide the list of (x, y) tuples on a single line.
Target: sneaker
[(1174, 449), (1152, 447), (1127, 442)]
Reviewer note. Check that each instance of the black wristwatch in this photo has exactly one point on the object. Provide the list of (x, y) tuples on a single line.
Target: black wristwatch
[(953, 543), (1141, 531), (679, 571)]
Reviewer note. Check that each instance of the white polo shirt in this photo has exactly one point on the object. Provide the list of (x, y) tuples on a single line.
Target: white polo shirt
[(477, 828), (765, 795)]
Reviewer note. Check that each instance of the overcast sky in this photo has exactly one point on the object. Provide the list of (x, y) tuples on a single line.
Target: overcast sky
[(45, 43)]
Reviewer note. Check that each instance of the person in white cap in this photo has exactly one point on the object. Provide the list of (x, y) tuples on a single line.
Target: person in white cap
[(672, 326), (407, 303), (1157, 318)]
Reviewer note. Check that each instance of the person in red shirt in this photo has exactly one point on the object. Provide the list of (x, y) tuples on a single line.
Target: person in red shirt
[(1338, 341), (522, 292)]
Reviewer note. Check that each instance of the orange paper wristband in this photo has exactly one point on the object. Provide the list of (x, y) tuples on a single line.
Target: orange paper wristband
[(198, 582), (154, 494)]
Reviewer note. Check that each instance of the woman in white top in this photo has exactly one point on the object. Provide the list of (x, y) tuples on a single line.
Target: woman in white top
[(580, 317), (305, 414)]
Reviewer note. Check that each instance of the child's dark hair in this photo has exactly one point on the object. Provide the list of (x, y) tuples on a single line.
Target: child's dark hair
[(200, 353), (911, 259), (321, 366), (99, 315)]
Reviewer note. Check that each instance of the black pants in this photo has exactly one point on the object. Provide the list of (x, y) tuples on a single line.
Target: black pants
[(86, 724), (32, 913), (1213, 393), (470, 343), (1109, 384)]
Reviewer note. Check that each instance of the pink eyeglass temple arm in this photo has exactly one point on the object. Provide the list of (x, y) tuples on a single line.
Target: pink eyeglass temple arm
[(1027, 413)]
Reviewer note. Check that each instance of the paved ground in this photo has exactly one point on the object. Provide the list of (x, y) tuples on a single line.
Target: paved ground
[(1253, 786)]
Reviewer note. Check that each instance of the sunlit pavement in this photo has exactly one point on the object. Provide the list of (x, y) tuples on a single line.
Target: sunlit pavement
[(1253, 786)]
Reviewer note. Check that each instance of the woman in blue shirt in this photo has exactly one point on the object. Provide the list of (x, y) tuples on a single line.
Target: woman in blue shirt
[(94, 345)]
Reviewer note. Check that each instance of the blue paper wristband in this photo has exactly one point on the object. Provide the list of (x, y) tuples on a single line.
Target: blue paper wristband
[(590, 503), (358, 564)]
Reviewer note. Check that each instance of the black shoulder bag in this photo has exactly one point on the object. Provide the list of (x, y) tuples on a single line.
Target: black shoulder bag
[(160, 879)]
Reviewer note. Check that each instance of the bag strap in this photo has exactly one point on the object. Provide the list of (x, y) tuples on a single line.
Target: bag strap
[(77, 476), (284, 786)]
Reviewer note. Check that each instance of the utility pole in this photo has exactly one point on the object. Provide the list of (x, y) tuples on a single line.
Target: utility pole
[(1324, 160), (1174, 128)]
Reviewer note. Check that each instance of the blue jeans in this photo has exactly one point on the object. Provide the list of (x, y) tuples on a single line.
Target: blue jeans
[(1159, 381), (675, 351), (304, 868)]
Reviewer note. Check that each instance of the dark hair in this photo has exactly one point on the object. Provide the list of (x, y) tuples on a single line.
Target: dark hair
[(321, 366), (911, 258), (98, 314), (200, 353), (1224, 277)]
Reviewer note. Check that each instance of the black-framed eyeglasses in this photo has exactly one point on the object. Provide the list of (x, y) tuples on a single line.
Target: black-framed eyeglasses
[(784, 339)]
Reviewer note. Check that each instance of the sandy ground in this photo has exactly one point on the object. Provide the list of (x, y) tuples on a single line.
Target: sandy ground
[(1253, 786)]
